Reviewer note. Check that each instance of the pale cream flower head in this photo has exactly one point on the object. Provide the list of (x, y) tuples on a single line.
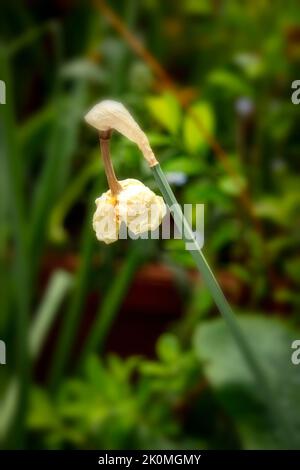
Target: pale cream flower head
[(128, 201), (136, 206)]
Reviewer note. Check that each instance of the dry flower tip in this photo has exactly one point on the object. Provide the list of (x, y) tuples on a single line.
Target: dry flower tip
[(109, 114)]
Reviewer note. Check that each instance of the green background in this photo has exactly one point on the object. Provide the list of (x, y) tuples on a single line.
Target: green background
[(121, 346)]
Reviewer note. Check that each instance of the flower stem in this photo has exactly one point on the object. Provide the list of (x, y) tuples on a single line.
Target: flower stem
[(113, 183), (225, 309)]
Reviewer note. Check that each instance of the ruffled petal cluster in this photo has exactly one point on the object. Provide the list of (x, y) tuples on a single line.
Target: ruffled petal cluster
[(135, 205)]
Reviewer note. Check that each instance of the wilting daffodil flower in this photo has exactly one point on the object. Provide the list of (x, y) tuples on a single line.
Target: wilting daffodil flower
[(135, 205), (128, 201)]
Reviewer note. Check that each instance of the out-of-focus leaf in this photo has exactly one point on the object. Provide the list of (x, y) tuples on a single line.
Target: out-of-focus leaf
[(229, 83), (178, 253), (234, 384), (71, 194), (282, 209), (158, 140), (59, 285), (166, 110), (140, 77), (43, 414), (200, 115), (34, 133), (232, 185), (292, 267), (8, 407), (168, 348), (184, 164), (229, 232), (198, 7), (251, 64), (56, 169), (204, 191), (240, 272), (270, 208), (202, 301), (84, 69), (153, 368), (176, 178)]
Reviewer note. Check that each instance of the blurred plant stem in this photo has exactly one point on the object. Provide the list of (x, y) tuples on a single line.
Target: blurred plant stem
[(59, 284), (111, 303), (56, 169), (275, 408), (20, 274), (57, 288), (71, 318), (31, 35)]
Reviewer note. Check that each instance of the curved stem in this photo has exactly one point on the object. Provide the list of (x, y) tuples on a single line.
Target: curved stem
[(113, 183)]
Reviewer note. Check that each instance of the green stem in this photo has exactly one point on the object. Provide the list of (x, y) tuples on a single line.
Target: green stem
[(223, 306), (56, 169), (71, 318), (13, 171)]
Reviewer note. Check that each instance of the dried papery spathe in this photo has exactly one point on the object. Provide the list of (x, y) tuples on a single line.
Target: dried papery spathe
[(109, 114), (139, 208)]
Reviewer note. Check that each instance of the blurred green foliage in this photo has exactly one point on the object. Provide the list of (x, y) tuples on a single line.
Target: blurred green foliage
[(233, 64)]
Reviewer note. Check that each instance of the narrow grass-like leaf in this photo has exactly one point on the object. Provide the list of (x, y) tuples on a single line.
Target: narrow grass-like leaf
[(31, 35), (111, 304), (8, 409), (72, 316), (20, 265), (57, 166), (33, 133), (58, 286), (70, 196)]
